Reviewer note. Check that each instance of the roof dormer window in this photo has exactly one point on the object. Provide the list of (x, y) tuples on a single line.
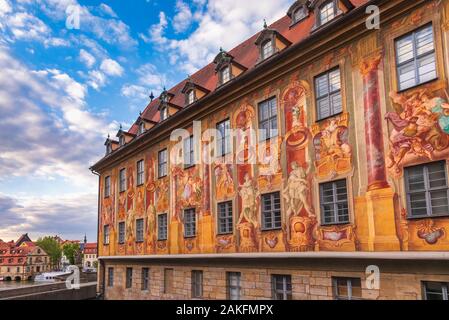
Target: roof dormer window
[(225, 74), (267, 49), (121, 140), (328, 11), (164, 113), (191, 97), (141, 128), (108, 148), (299, 14)]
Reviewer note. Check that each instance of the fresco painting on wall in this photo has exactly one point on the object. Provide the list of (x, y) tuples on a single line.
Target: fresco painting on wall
[(419, 129), (224, 183), (298, 233), (332, 149)]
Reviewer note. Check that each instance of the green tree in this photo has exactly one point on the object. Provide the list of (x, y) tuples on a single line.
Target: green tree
[(71, 251), (52, 248)]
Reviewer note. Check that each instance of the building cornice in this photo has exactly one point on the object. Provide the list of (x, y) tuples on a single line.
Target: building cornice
[(402, 255)]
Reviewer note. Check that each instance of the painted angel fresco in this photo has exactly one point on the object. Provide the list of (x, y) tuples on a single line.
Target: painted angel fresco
[(420, 127), (296, 194)]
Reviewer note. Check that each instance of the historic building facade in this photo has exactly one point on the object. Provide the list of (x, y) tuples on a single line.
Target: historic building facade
[(22, 260), (330, 167)]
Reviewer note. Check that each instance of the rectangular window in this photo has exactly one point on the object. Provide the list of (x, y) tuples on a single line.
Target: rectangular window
[(121, 232), (281, 287), (328, 94), (122, 182), (271, 211), (107, 187), (334, 203), (416, 58), (162, 227), (233, 285), (162, 163), (140, 173), (224, 139), (106, 234), (189, 154), (427, 190), (129, 278), (110, 277), (327, 12), (189, 223), (168, 281), (145, 279), (268, 119), (139, 230), (225, 218), (197, 284), (436, 291), (347, 288)]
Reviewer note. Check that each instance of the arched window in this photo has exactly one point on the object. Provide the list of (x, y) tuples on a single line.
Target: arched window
[(267, 49), (299, 14)]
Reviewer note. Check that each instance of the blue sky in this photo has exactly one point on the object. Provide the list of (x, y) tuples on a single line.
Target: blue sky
[(63, 90)]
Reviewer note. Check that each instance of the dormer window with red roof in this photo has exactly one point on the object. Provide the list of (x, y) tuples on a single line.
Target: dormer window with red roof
[(328, 10), (270, 42), (166, 107), (298, 11), (142, 128), (193, 92), (227, 68), (121, 141), (164, 113)]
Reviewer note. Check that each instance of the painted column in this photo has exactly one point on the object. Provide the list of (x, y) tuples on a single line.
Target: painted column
[(375, 154)]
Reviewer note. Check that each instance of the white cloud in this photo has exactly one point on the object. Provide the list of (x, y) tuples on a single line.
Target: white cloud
[(97, 79), (111, 68), (222, 24), (108, 10), (86, 58), (183, 17), (134, 92), (5, 7)]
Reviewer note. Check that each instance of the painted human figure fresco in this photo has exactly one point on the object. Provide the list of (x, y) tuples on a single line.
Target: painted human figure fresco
[(191, 190), (420, 128), (248, 225), (332, 150), (296, 192), (162, 190), (224, 181)]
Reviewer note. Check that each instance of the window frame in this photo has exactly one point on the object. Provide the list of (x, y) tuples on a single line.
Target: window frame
[(229, 225), (190, 153), (145, 279), (141, 128), (273, 212), (444, 288), (428, 190), (321, 7), (268, 134), (263, 51), (335, 203), (110, 277), (416, 58), (122, 181), (329, 94), (121, 233), (228, 78), (164, 113), (191, 221), (197, 284), (140, 179), (129, 278), (164, 235), (349, 285), (107, 187), (162, 173), (106, 234), (140, 230), (286, 281), (230, 286), (224, 142)]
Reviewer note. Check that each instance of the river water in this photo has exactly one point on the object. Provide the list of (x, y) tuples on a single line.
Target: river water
[(6, 285)]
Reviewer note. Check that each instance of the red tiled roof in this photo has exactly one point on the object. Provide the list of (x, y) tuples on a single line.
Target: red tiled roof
[(245, 54)]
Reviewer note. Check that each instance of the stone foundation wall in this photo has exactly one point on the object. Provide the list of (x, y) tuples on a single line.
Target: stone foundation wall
[(308, 282)]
